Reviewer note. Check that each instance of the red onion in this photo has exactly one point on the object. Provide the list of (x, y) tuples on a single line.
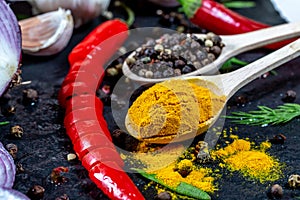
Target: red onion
[(11, 194), (7, 168), (10, 45)]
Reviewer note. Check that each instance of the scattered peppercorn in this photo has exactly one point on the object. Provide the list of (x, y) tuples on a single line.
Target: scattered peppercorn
[(7, 109), (294, 181), (163, 196), (30, 97), (241, 99), (177, 20), (278, 139), (290, 96), (17, 79), (63, 197), (184, 168), (20, 168), (275, 191), (12, 149), (56, 176), (112, 71), (16, 131), (203, 155), (36, 192)]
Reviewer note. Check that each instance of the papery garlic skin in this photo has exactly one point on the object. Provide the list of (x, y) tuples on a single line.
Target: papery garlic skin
[(48, 33), (82, 10)]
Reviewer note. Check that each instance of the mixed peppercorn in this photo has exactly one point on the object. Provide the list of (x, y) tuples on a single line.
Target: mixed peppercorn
[(175, 54)]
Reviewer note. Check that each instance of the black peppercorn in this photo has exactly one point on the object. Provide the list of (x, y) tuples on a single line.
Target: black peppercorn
[(36, 192), (275, 191), (278, 139), (12, 149), (289, 97), (63, 197), (186, 69), (16, 131), (8, 110), (30, 97), (163, 196)]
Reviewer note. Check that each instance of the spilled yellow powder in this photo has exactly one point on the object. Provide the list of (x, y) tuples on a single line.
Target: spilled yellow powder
[(163, 162), (252, 163), (198, 177), (159, 158), (173, 108)]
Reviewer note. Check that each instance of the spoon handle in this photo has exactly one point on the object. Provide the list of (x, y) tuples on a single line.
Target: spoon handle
[(252, 40), (239, 78)]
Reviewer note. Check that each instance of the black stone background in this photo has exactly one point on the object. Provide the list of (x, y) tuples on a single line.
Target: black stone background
[(45, 145)]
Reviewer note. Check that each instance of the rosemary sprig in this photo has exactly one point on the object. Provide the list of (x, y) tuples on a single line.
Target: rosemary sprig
[(4, 123), (238, 4), (266, 115)]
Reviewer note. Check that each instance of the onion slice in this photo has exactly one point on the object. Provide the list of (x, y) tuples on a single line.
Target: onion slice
[(7, 168), (11, 194), (10, 45)]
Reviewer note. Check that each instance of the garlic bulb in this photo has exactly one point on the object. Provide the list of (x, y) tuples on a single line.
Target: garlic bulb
[(48, 33), (82, 10), (166, 3)]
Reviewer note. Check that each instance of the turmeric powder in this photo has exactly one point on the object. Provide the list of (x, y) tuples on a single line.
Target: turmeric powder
[(253, 163), (173, 108)]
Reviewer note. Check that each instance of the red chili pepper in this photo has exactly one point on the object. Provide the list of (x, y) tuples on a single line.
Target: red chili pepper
[(98, 35), (84, 121), (88, 100), (118, 185), (215, 17)]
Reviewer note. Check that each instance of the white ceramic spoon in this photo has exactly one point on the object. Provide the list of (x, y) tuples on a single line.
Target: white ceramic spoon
[(234, 45), (228, 84)]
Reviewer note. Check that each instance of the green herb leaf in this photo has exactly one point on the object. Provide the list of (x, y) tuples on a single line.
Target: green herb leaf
[(267, 116), (182, 189), (4, 123), (239, 4), (191, 191), (229, 64)]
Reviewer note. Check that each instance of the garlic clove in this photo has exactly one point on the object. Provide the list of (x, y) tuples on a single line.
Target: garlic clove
[(82, 10), (48, 33)]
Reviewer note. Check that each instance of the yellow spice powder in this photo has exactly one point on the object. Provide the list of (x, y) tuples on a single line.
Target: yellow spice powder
[(164, 164), (198, 177), (173, 107), (255, 164), (159, 158)]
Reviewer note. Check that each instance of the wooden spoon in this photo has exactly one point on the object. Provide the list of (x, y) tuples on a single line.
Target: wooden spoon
[(234, 45), (228, 84)]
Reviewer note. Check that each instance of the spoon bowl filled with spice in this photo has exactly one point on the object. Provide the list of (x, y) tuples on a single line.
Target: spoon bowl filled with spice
[(184, 55), (182, 108)]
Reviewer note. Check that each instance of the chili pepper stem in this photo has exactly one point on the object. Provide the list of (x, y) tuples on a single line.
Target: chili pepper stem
[(190, 6), (129, 12)]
